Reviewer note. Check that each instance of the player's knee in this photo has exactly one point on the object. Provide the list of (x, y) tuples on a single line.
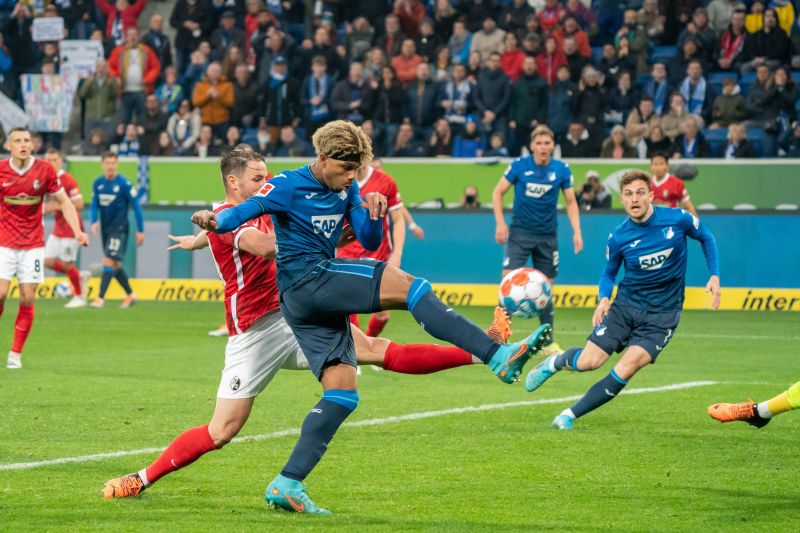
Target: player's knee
[(418, 288), (222, 434), (345, 398), (26, 300), (591, 359)]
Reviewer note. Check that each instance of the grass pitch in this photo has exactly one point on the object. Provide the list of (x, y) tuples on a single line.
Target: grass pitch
[(113, 380)]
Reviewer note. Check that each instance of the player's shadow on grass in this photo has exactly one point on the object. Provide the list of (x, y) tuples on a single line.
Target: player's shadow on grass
[(745, 502)]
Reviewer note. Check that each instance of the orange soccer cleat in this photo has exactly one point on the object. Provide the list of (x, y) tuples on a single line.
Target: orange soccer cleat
[(500, 329), (128, 301), (123, 487), (742, 411)]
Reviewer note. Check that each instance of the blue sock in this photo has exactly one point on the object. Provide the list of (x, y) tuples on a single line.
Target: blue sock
[(600, 393), (445, 324), (317, 431), (105, 279), (122, 278), (569, 358), (547, 317)]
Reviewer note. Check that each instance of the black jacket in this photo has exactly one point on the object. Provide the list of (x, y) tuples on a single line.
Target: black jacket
[(201, 13)]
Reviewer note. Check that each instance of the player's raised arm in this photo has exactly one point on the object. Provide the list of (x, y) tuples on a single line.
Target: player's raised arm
[(607, 280), (366, 218), (699, 232), (274, 197), (189, 242), (501, 228), (257, 243)]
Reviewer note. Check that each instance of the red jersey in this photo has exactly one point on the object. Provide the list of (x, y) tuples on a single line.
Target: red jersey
[(61, 228), (21, 195), (380, 182), (670, 191), (251, 288)]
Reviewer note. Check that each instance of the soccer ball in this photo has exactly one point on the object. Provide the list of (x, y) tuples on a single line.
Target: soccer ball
[(62, 290), (525, 292)]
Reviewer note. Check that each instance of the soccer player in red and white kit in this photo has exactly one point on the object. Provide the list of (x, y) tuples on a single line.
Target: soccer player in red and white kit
[(668, 190), (61, 249), (24, 182), (260, 341), (369, 180)]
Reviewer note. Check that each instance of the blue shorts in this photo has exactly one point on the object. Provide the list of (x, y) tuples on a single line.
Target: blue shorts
[(319, 305), (542, 249), (115, 242), (626, 326)]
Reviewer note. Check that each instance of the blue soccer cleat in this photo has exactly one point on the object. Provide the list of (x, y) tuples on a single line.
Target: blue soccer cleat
[(539, 374), (291, 495), (508, 361), (563, 422)]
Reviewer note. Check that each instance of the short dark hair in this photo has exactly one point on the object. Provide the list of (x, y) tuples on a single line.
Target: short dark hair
[(646, 98), (108, 154), (233, 162), (18, 129), (634, 175), (662, 155)]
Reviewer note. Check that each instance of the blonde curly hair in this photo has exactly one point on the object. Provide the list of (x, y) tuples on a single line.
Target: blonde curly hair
[(344, 141)]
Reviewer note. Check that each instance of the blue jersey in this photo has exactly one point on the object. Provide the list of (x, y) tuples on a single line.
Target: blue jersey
[(308, 219), (654, 255), (110, 202), (536, 191)]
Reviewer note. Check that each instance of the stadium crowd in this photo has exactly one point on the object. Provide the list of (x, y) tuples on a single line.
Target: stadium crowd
[(461, 78)]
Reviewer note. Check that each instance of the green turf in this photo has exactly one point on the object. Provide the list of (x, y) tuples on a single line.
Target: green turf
[(101, 381)]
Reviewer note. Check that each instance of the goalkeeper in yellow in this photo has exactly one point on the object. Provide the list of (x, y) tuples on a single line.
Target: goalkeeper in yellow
[(757, 414)]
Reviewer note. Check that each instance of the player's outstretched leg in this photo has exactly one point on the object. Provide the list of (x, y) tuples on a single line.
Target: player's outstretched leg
[(760, 414), (548, 368)]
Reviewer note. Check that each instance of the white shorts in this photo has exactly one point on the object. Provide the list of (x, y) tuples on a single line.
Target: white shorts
[(254, 357), (62, 248), (27, 265)]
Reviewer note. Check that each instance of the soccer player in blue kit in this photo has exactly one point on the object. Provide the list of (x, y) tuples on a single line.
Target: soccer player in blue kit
[(537, 180), (651, 243), (318, 292)]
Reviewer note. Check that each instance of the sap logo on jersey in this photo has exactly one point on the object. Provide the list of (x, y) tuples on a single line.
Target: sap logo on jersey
[(325, 224), (655, 260), (536, 190)]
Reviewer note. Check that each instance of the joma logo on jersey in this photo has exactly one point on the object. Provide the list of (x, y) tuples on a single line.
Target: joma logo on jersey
[(655, 260), (325, 224), (536, 190)]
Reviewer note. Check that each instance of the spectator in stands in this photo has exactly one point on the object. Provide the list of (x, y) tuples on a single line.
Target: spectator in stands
[(315, 95), (492, 95), (658, 88), (729, 106), (560, 102), (76, 17), (593, 194), (440, 143), (760, 102), (489, 39), (615, 61), (474, 66), (470, 200), (442, 68), (513, 15), (405, 64), (691, 143), (193, 19), (427, 41), (233, 136), (672, 122), (226, 35), (170, 93), (791, 144), (7, 82), (657, 142), (263, 139), (616, 146), (387, 102), (444, 17), (576, 143), (731, 42), (376, 60), (586, 17), (293, 146), (95, 143), (422, 102), (281, 103), (163, 147), (195, 71), (392, 37), (245, 98), (755, 19), (736, 144), (677, 14), (155, 39), (17, 34), (637, 39), (571, 28), (649, 18), (259, 23), (206, 145), (590, 104), (532, 43), (548, 62), (476, 12), (99, 95), (409, 13), (720, 13), (321, 46), (497, 146), (528, 105), (641, 121), (275, 45), (358, 38), (470, 142), (696, 91), (404, 143), (785, 96), (676, 68), (153, 122), (350, 97), (701, 32), (137, 67), (214, 96), (550, 15), (128, 144), (575, 61), (120, 17), (183, 128), (621, 99), (770, 46), (49, 54), (456, 98), (512, 57), (232, 59)]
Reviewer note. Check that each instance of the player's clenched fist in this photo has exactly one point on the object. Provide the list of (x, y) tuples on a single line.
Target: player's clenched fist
[(376, 204), (205, 219)]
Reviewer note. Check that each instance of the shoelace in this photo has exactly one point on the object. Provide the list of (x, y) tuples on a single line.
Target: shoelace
[(743, 411), (129, 484)]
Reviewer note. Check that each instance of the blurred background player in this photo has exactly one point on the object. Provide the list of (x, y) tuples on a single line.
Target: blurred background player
[(413, 227), (61, 250), (537, 180), (668, 190), (757, 414), (369, 180), (112, 196), (24, 183), (651, 243)]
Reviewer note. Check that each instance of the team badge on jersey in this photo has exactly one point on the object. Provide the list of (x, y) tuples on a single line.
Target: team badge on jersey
[(36, 184), (325, 224), (668, 233)]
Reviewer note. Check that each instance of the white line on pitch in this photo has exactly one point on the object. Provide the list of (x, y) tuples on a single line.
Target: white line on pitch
[(360, 423)]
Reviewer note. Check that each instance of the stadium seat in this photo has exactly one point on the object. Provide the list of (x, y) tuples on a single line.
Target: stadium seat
[(756, 136), (716, 138), (643, 79), (706, 207), (597, 54), (716, 79), (797, 106), (747, 79), (744, 207), (796, 76), (786, 207), (662, 54)]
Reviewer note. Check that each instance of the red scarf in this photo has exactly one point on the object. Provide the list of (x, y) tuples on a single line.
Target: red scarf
[(732, 45)]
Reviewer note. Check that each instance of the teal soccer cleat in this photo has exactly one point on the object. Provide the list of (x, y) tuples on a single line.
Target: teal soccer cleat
[(291, 495), (509, 360), (563, 422), (539, 374)]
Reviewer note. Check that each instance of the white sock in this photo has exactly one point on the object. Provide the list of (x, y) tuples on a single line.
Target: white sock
[(476, 361), (143, 476), (568, 412), (763, 411), (551, 363)]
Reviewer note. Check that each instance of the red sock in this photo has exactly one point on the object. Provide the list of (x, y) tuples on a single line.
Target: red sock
[(423, 358), (22, 327), (354, 321), (58, 266), (74, 276), (184, 450), (2, 307), (375, 326)]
